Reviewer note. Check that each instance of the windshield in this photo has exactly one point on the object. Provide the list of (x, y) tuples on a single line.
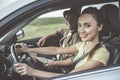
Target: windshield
[(5, 3), (13, 6)]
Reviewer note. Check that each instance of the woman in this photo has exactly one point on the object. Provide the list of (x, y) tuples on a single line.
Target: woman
[(90, 23)]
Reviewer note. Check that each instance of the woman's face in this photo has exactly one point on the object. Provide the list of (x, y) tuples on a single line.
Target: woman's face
[(88, 28)]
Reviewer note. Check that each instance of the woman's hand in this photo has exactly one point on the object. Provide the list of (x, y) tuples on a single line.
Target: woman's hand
[(24, 69)]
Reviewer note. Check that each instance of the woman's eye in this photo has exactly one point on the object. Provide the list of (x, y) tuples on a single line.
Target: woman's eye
[(87, 26)]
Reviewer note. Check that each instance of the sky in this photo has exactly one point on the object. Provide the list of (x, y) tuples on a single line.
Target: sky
[(5, 3), (54, 14)]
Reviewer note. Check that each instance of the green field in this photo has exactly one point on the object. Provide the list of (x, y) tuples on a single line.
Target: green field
[(41, 27)]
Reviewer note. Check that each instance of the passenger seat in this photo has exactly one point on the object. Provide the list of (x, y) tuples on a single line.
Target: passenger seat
[(112, 29)]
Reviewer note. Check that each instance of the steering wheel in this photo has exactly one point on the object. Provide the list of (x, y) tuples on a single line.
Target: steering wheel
[(14, 53), (28, 59), (16, 56)]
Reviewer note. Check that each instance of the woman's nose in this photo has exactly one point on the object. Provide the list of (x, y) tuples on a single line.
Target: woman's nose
[(81, 30)]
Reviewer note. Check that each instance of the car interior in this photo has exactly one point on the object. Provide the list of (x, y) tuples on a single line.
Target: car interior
[(110, 36)]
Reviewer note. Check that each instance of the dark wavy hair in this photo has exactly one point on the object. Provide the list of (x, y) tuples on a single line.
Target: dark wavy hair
[(96, 13)]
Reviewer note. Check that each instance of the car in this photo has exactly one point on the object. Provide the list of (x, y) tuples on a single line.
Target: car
[(19, 14)]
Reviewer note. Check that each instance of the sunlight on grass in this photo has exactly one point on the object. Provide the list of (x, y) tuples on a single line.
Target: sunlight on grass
[(39, 31)]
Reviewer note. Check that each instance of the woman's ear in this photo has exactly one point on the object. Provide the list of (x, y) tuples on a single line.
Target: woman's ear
[(100, 27)]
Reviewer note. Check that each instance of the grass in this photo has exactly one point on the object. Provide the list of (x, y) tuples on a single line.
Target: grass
[(42, 26), (47, 21), (32, 31)]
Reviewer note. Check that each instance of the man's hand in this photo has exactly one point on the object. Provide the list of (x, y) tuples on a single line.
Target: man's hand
[(22, 48), (42, 41)]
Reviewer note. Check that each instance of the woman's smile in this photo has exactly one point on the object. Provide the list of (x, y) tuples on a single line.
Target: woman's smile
[(83, 36)]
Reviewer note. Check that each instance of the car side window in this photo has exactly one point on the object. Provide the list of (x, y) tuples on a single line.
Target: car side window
[(44, 24)]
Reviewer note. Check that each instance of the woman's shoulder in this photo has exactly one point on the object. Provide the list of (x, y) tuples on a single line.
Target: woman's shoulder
[(102, 55), (62, 31), (102, 50)]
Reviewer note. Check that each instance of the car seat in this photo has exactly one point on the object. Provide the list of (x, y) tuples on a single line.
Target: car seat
[(111, 32)]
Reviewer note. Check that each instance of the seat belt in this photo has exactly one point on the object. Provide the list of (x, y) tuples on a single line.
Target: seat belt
[(67, 69), (88, 53)]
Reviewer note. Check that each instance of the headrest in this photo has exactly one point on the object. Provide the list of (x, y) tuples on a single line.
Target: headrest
[(111, 17)]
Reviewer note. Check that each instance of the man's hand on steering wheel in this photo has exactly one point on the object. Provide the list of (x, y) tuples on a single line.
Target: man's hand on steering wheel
[(21, 47)]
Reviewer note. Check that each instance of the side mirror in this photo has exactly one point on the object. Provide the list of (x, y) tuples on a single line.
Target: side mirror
[(20, 34)]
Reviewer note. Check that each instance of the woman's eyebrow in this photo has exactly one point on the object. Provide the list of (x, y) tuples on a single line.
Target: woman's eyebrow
[(87, 23)]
